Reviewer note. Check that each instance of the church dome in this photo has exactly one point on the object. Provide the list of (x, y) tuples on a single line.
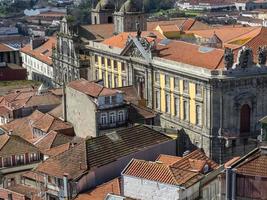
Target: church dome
[(105, 5), (131, 6)]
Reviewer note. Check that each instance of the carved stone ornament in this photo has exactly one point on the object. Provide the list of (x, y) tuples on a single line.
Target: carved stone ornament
[(228, 58), (262, 55), (245, 57)]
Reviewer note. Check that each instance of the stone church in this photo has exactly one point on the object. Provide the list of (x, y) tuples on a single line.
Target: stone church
[(71, 60)]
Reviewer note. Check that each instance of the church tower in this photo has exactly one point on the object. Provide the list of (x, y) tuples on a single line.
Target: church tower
[(103, 12), (130, 17)]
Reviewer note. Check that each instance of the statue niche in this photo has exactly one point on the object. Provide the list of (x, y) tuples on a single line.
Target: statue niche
[(228, 58), (262, 55), (244, 57)]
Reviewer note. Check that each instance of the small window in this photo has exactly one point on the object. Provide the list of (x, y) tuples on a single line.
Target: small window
[(185, 86), (107, 100), (198, 115), (96, 59), (123, 67), (157, 100), (103, 118), (167, 103), (176, 83), (115, 65), (123, 82), (121, 116), (109, 62), (198, 90), (113, 99), (176, 106), (157, 76), (167, 81), (186, 110), (112, 118)]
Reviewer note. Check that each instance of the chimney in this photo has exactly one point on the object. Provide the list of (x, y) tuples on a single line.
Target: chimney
[(228, 187), (66, 186), (35, 42), (9, 196)]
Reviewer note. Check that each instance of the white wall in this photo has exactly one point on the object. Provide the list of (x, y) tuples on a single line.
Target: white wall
[(143, 189)]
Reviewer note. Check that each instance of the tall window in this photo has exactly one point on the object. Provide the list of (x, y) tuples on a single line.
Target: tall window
[(33, 157), (7, 162), (112, 118), (186, 110), (157, 76), (96, 75), (198, 90), (185, 86), (19, 159), (121, 116), (102, 61), (167, 81), (109, 81), (123, 67), (157, 100), (176, 83), (176, 106), (198, 115), (107, 100), (115, 81), (103, 76), (167, 103), (109, 62), (96, 59), (115, 65), (104, 118)]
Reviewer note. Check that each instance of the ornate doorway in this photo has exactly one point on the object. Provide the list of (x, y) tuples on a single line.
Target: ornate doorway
[(245, 113)]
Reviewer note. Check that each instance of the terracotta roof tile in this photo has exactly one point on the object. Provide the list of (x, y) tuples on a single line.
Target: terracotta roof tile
[(254, 165), (34, 176), (112, 146), (57, 150), (71, 162), (27, 191), (168, 159), (43, 52), (101, 191), (4, 111), (91, 88), (5, 48), (176, 171), (177, 51)]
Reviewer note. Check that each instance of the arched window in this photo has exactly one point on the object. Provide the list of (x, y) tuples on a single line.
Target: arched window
[(245, 119)]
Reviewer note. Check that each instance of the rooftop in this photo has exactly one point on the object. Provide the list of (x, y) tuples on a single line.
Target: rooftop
[(180, 171), (112, 146), (43, 52), (91, 88)]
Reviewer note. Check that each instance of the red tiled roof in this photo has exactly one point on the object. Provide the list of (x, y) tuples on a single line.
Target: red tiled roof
[(209, 58), (43, 52), (91, 88), (57, 150), (101, 191), (176, 171), (255, 165), (5, 48), (168, 159), (71, 162), (34, 176), (4, 111)]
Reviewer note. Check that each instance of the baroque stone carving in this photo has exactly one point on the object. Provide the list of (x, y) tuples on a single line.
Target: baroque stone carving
[(228, 58), (245, 57), (262, 55)]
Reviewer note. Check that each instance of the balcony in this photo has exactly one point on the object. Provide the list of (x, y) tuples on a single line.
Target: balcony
[(18, 168)]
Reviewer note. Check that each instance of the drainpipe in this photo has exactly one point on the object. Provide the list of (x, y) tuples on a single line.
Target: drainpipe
[(64, 103), (65, 187), (228, 188), (233, 184)]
